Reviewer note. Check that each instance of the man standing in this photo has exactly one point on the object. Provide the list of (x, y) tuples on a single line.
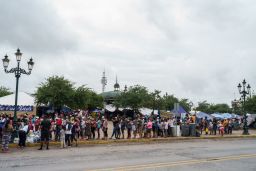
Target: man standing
[(23, 130), (45, 132), (105, 129)]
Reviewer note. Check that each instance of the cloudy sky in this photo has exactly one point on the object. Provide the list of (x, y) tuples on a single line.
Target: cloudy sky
[(196, 49)]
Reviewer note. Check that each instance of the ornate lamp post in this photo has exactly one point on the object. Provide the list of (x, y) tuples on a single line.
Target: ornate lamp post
[(17, 72), (242, 90)]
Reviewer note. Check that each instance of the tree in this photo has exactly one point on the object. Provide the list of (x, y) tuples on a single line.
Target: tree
[(80, 98), (203, 106), (94, 100), (135, 98), (169, 101), (213, 108), (250, 105), (155, 100), (185, 103), (4, 91), (56, 91), (220, 108)]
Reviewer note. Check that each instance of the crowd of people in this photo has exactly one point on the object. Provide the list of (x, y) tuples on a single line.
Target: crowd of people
[(69, 128)]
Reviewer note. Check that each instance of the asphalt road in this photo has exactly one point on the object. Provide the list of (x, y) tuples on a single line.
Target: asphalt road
[(193, 155)]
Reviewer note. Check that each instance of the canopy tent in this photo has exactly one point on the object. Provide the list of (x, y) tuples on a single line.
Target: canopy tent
[(235, 116), (179, 111), (147, 111), (24, 99), (227, 115), (217, 116), (25, 103), (110, 108), (203, 115)]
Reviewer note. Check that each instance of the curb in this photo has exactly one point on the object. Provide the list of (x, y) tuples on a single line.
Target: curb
[(143, 140)]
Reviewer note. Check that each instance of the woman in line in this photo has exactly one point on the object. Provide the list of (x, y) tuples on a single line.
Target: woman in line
[(6, 135)]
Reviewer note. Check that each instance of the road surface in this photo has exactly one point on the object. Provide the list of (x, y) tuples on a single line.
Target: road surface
[(193, 155)]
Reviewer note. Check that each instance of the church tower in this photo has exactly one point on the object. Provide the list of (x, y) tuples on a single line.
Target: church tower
[(116, 86)]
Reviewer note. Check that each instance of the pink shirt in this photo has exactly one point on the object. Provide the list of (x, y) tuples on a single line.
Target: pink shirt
[(149, 125)]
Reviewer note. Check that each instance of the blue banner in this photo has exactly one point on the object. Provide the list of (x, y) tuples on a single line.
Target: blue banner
[(19, 108)]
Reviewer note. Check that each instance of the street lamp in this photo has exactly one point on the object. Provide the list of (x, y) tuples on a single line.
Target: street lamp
[(242, 90), (17, 72)]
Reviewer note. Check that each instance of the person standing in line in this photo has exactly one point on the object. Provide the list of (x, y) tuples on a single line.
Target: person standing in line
[(134, 128), (62, 137), (230, 126), (140, 127), (23, 130), (105, 129), (83, 128), (99, 124), (221, 127), (210, 127), (201, 125), (93, 127), (74, 133), (115, 122), (123, 125), (6, 135), (214, 126), (68, 133), (45, 127), (166, 128), (129, 129), (58, 128), (149, 128), (88, 127)]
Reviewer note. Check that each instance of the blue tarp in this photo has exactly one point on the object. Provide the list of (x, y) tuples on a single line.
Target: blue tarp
[(179, 111), (227, 115), (66, 109), (217, 116), (96, 110), (235, 116), (203, 115)]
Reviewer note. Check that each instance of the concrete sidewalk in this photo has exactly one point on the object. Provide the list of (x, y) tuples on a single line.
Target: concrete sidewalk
[(236, 134)]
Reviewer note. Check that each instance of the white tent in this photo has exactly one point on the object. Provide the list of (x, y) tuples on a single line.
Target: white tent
[(147, 111), (110, 108), (24, 99)]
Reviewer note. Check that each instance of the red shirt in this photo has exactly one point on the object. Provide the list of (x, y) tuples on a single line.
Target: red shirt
[(59, 122)]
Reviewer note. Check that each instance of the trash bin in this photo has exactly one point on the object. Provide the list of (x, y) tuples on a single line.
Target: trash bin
[(185, 130), (176, 132), (192, 130)]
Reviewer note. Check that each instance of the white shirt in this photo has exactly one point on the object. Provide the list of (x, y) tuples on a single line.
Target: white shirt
[(25, 128), (68, 131)]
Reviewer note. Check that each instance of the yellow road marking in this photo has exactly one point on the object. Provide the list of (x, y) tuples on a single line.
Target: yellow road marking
[(177, 163)]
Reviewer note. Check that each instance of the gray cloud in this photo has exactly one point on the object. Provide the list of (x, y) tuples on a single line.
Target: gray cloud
[(34, 26), (194, 49)]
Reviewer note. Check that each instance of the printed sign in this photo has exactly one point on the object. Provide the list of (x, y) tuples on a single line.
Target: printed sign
[(19, 108)]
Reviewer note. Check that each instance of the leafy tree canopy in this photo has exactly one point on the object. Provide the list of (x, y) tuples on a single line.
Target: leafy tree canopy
[(250, 105), (213, 108), (4, 91), (135, 98), (58, 92), (138, 96)]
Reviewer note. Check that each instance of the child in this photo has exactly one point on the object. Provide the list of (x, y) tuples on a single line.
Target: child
[(62, 137), (221, 127)]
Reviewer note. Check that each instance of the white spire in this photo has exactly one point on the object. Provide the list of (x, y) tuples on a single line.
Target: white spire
[(103, 81)]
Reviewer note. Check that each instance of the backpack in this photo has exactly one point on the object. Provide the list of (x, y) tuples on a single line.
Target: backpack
[(2, 125), (69, 127)]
